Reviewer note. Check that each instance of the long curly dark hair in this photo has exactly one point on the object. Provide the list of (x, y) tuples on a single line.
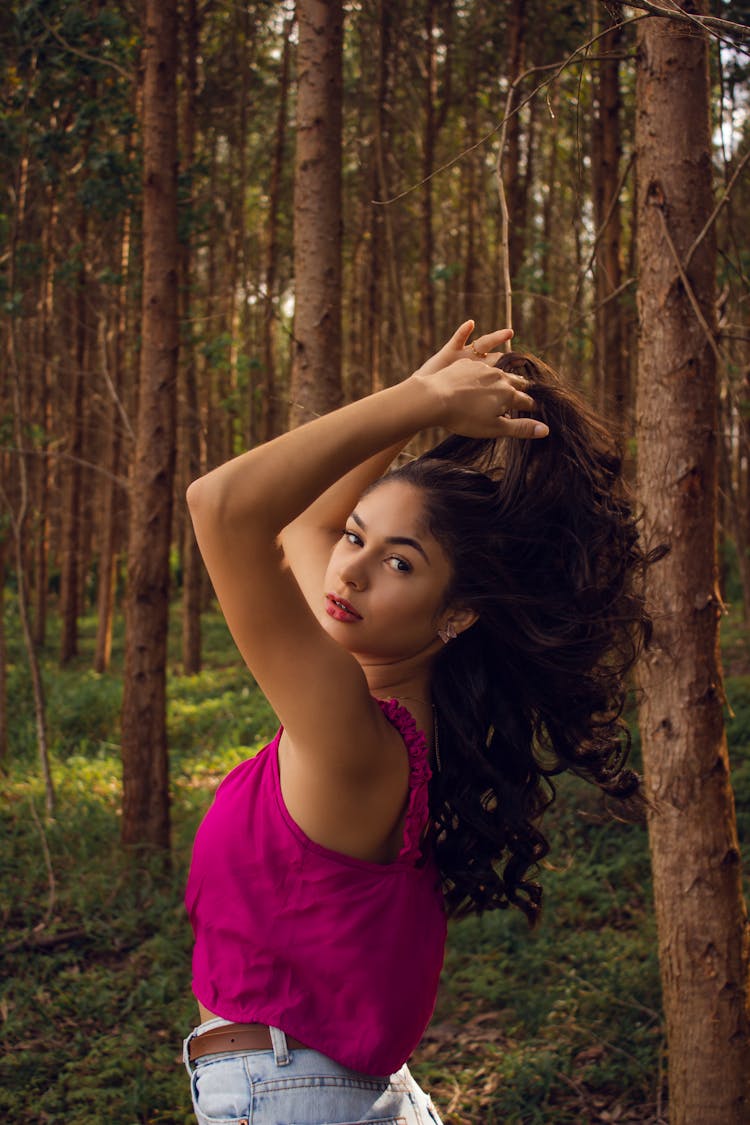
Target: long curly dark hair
[(544, 545)]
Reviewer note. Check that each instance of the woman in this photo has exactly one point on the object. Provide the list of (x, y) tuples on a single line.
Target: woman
[(436, 643)]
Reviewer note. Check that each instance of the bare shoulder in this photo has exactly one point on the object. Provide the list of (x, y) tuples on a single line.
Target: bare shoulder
[(357, 813)]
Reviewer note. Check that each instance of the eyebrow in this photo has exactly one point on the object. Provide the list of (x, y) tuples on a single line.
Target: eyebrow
[(402, 540)]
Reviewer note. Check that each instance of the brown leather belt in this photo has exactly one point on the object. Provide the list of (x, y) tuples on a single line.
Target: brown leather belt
[(235, 1037)]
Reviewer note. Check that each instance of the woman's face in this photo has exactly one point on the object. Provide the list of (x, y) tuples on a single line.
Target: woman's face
[(387, 578)]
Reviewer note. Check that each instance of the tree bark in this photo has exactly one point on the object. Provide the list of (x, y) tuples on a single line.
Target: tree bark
[(237, 280), (547, 271), (399, 338), (373, 289), (609, 357), (112, 500), (426, 284), (41, 541), (145, 818), (70, 547), (18, 518), (701, 917), (192, 565), (316, 371), (271, 414), (513, 182)]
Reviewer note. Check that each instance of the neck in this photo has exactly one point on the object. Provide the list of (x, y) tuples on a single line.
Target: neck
[(399, 681)]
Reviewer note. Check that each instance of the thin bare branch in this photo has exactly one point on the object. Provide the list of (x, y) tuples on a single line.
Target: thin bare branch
[(123, 482), (712, 217), (712, 24), (597, 237), (689, 290), (43, 941), (50, 871), (99, 59), (108, 380), (18, 518), (589, 312), (504, 216), (720, 361)]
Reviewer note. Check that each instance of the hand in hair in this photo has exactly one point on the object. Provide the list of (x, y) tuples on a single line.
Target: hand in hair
[(475, 397), (475, 400)]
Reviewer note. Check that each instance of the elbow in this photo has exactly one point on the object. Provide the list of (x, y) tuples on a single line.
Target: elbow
[(195, 497), (225, 499), (192, 495), (204, 501)]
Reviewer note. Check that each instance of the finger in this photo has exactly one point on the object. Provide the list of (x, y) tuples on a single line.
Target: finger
[(522, 401), (522, 428), (461, 335), (517, 381), (492, 340)]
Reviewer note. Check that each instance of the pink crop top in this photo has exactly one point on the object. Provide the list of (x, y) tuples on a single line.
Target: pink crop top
[(340, 953)]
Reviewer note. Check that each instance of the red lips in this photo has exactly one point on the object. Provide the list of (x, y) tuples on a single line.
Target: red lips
[(340, 609)]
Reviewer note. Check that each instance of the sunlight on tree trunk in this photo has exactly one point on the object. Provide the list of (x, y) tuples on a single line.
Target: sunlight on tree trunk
[(701, 916)]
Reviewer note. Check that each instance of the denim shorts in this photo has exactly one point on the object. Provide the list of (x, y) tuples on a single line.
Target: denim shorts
[(298, 1087)]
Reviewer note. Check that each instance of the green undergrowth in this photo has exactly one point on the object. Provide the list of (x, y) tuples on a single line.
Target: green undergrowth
[(559, 1024)]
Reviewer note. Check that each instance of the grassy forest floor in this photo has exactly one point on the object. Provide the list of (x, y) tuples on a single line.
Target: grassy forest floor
[(559, 1025)]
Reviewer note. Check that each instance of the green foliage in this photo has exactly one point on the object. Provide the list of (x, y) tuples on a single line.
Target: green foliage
[(87, 720)]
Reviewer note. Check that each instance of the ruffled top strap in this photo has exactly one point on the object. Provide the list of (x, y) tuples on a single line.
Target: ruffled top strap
[(417, 812)]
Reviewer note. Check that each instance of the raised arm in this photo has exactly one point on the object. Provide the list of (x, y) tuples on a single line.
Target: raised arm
[(239, 509)]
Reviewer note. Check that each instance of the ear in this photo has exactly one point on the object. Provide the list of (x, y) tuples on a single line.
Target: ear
[(460, 617)]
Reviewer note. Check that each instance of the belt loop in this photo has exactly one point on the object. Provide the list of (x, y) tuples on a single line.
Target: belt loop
[(185, 1049), (280, 1047)]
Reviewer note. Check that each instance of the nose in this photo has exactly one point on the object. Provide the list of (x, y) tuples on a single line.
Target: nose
[(353, 572)]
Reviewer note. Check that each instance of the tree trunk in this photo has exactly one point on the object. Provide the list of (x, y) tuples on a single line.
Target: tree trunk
[(18, 518), (316, 371), (145, 818), (271, 414), (701, 917), (611, 371), (41, 543), (400, 336), (110, 537), (71, 543), (372, 290), (512, 181), (192, 566), (237, 280), (426, 284), (541, 320)]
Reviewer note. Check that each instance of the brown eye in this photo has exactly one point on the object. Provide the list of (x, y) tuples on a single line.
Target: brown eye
[(400, 565)]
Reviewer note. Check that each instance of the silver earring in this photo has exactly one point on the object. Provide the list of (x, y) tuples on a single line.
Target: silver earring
[(448, 633)]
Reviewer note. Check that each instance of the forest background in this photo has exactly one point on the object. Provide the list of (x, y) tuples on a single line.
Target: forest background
[(478, 149)]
